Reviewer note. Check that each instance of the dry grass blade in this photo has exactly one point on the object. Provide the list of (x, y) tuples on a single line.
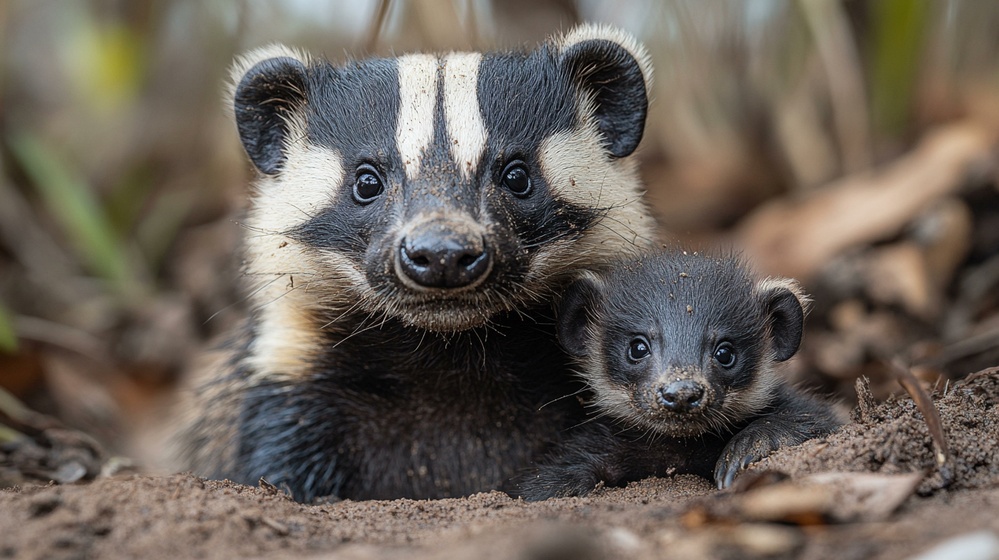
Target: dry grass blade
[(925, 405), (798, 238), (376, 25)]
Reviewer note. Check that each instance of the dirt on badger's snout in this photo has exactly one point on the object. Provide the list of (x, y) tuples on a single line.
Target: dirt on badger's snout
[(185, 517)]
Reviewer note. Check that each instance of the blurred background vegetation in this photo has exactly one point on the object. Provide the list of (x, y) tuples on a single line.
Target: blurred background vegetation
[(122, 180)]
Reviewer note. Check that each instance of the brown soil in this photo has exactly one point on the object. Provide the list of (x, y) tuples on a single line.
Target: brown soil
[(877, 513)]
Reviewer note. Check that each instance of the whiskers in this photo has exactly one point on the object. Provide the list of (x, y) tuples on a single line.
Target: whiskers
[(563, 397)]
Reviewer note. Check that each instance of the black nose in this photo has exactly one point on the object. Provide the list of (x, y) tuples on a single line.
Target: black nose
[(681, 396), (437, 256)]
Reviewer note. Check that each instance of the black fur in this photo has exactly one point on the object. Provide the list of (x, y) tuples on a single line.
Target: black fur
[(614, 79), (267, 95), (392, 408), (684, 306), (402, 413)]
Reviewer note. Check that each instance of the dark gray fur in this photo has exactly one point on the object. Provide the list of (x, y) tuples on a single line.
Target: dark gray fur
[(685, 306)]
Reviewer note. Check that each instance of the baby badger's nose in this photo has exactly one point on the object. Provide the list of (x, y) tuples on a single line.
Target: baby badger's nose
[(684, 395), (438, 256)]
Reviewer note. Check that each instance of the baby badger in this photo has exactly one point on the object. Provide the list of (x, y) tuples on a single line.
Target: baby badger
[(681, 352), (413, 220)]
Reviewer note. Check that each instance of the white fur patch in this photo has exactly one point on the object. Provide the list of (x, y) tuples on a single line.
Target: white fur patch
[(578, 170), (461, 110), (308, 182), (417, 101), (286, 342), (285, 276)]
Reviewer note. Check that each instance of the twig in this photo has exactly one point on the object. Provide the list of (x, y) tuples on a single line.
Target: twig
[(930, 413)]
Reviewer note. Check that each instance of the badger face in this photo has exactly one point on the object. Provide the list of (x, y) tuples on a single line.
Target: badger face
[(681, 344), (438, 190)]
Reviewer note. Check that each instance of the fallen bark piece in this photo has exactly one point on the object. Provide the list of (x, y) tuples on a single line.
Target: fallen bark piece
[(797, 238), (866, 496), (745, 540), (823, 498)]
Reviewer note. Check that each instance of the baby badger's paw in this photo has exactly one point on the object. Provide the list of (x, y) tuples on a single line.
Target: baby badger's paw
[(556, 481), (755, 442)]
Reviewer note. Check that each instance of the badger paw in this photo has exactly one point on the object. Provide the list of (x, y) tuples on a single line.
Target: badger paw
[(747, 447), (556, 482)]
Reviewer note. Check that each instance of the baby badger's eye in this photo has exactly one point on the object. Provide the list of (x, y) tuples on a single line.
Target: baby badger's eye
[(638, 349), (516, 178), (725, 355), (367, 184)]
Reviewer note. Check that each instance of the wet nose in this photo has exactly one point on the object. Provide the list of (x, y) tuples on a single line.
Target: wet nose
[(684, 395), (438, 256)]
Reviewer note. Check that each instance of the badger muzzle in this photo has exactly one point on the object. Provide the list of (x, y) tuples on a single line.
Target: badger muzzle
[(682, 392), (440, 253)]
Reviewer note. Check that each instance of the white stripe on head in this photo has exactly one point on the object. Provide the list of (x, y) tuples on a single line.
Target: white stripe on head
[(417, 101), (461, 110)]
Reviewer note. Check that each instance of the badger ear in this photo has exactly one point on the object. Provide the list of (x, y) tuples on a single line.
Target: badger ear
[(614, 71), (267, 93), (574, 314), (785, 304)]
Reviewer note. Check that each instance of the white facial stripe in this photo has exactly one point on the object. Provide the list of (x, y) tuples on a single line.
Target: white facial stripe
[(307, 184), (461, 110), (417, 99)]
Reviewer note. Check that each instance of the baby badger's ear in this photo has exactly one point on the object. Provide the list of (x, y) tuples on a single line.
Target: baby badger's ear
[(574, 314), (614, 73), (270, 86), (784, 303)]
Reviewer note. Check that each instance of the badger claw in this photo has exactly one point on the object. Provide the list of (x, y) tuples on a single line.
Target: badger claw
[(747, 447)]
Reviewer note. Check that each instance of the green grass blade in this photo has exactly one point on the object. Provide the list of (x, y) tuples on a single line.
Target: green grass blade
[(76, 208), (8, 337)]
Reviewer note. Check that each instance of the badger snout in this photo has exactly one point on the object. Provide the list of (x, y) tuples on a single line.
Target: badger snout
[(681, 396), (443, 255)]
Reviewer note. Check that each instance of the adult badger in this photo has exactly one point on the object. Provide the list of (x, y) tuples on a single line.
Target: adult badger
[(414, 218)]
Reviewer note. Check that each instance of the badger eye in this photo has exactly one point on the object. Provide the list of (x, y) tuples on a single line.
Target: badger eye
[(725, 355), (516, 178), (638, 349), (367, 184)]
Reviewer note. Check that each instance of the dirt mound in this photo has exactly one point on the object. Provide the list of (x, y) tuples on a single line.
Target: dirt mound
[(679, 517), (893, 437)]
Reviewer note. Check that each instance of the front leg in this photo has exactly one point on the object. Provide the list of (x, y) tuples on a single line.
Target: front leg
[(290, 437), (794, 418), (602, 453), (575, 468)]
